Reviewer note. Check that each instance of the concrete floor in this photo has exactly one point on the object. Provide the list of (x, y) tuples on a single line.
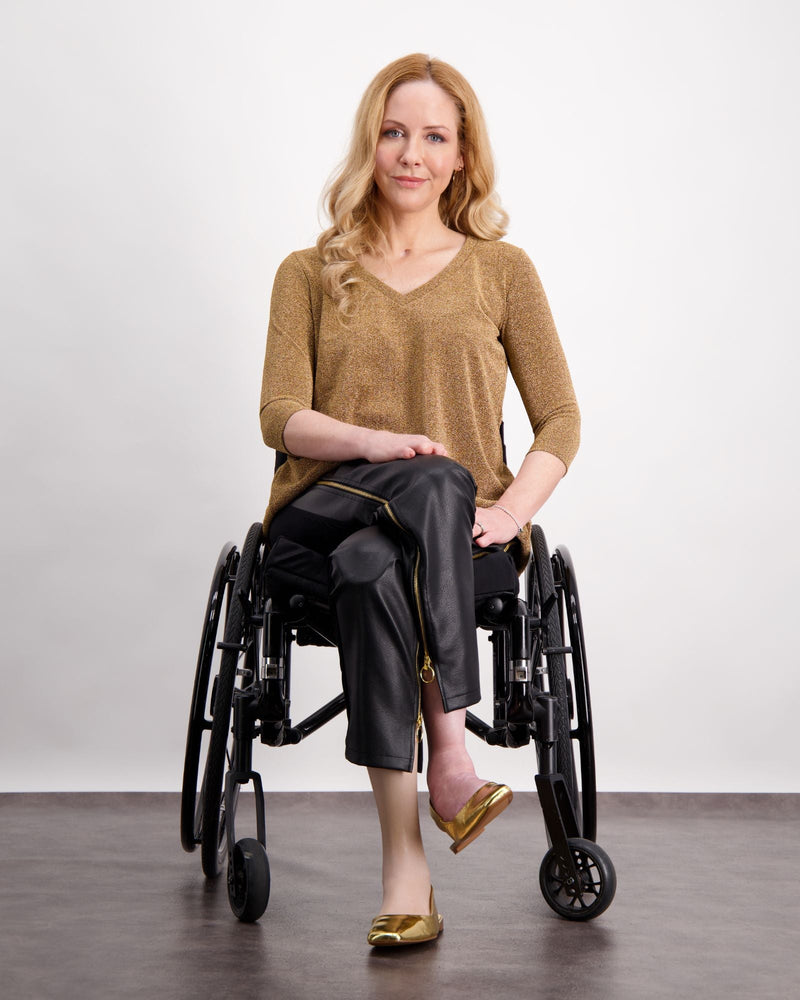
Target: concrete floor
[(99, 900)]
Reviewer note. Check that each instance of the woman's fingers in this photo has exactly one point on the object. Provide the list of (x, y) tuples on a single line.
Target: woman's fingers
[(418, 444), (383, 446)]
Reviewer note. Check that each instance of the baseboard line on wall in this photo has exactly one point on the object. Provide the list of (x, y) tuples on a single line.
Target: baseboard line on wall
[(730, 804)]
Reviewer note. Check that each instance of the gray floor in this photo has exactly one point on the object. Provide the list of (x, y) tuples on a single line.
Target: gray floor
[(98, 900)]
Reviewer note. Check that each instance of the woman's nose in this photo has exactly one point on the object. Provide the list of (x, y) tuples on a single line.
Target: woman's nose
[(411, 152)]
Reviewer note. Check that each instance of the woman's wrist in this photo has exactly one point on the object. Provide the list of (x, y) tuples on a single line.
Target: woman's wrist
[(505, 510)]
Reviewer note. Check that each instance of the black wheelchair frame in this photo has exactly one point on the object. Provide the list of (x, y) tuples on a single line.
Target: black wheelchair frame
[(541, 693)]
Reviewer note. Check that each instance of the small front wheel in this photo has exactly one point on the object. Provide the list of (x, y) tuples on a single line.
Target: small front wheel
[(594, 889), (248, 880)]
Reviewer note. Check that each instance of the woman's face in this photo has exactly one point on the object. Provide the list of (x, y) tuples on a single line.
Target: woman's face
[(418, 147)]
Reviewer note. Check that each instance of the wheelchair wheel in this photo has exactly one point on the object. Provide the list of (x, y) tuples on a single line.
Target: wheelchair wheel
[(192, 797), (248, 880), (239, 660), (578, 684), (594, 889), (545, 606)]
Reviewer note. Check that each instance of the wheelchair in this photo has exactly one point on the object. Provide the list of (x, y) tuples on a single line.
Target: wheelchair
[(262, 602)]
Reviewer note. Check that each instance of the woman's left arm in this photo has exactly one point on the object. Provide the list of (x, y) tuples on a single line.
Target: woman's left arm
[(539, 368), (538, 477)]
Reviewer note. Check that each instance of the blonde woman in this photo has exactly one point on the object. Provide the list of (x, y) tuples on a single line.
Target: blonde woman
[(384, 378)]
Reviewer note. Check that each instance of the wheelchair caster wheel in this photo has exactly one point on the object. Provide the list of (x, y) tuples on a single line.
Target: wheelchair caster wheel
[(248, 880), (594, 891)]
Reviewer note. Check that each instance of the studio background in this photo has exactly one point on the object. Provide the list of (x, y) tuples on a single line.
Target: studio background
[(161, 159)]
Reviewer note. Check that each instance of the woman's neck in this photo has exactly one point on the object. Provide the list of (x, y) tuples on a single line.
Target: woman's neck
[(408, 235)]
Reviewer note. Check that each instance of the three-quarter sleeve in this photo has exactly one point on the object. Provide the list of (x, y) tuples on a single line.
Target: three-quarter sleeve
[(288, 381), (538, 365)]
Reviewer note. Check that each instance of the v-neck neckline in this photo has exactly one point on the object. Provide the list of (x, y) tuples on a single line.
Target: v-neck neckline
[(426, 286)]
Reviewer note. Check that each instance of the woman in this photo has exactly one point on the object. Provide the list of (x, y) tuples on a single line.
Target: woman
[(383, 381)]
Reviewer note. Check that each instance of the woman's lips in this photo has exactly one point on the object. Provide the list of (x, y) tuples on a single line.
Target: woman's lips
[(410, 182)]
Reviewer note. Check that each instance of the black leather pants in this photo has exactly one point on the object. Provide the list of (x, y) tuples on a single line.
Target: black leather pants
[(399, 538)]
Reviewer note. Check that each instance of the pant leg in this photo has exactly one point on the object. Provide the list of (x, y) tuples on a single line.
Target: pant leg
[(408, 580), (378, 649), (428, 504), (371, 599)]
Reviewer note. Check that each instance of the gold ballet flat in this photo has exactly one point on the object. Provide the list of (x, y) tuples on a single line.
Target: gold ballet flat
[(473, 818), (392, 929)]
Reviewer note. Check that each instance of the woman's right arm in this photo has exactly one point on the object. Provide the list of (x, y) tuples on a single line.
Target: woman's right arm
[(288, 421), (309, 434)]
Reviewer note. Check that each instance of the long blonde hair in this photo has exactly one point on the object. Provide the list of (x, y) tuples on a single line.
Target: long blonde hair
[(469, 204)]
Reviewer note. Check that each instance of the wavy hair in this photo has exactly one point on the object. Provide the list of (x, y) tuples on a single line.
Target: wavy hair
[(468, 205)]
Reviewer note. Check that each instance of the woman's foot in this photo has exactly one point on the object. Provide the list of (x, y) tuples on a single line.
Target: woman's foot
[(476, 814), (391, 930), (452, 781)]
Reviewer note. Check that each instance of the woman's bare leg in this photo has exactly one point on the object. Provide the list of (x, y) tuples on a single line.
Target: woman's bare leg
[(451, 774), (406, 876)]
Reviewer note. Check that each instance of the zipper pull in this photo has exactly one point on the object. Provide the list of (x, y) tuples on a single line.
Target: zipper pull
[(427, 673)]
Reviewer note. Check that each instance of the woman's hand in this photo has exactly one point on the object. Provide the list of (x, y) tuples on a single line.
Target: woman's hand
[(492, 527), (384, 446)]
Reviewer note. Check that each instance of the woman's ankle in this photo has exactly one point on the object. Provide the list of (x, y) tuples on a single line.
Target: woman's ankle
[(406, 886), (447, 764)]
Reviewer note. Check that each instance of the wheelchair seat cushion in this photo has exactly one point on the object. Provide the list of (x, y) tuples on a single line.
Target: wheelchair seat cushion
[(495, 572), (291, 568)]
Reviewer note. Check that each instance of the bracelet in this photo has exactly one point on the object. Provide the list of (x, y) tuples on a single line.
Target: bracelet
[(505, 510)]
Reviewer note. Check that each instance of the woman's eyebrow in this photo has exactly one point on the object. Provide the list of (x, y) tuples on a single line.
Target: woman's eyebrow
[(391, 121)]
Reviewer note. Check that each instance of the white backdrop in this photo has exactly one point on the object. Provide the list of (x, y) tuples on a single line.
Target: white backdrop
[(161, 158)]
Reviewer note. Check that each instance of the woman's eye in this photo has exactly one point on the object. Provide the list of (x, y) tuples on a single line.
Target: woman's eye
[(435, 136), (392, 133)]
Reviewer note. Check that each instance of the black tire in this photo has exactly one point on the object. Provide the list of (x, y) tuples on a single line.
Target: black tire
[(217, 606), (248, 880), (578, 679), (556, 665), (593, 893), (236, 662)]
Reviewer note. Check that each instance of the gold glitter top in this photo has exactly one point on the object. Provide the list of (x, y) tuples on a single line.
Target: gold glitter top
[(431, 361)]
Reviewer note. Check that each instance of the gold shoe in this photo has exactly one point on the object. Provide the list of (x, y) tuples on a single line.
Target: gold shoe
[(473, 818), (391, 929)]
